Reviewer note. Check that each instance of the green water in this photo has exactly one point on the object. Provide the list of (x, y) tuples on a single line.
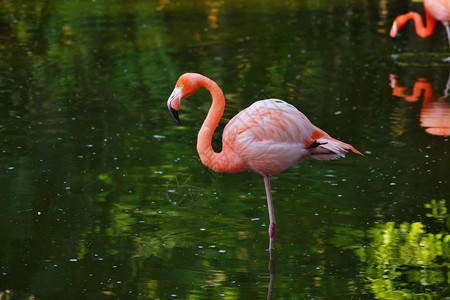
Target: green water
[(103, 196)]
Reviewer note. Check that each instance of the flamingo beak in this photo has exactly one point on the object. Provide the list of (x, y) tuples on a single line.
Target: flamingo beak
[(393, 32), (173, 103), (174, 114)]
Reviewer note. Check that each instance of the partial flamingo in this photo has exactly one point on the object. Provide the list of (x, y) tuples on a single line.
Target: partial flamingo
[(266, 138), (435, 10)]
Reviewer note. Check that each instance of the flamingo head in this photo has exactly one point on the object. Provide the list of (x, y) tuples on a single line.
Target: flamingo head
[(399, 22), (187, 84)]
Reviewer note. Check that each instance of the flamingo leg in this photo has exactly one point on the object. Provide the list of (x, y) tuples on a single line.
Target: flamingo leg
[(272, 226), (447, 28)]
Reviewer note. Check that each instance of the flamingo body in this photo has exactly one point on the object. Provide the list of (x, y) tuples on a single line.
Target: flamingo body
[(271, 135), (435, 11), (267, 137), (438, 9)]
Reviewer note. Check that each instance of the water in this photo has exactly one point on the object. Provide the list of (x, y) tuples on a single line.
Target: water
[(103, 196)]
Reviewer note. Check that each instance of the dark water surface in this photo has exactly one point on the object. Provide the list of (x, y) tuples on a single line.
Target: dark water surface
[(104, 197)]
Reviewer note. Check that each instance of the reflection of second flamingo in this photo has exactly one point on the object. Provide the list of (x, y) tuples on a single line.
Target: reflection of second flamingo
[(435, 111)]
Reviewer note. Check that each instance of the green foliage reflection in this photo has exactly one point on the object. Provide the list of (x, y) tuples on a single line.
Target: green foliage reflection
[(407, 261)]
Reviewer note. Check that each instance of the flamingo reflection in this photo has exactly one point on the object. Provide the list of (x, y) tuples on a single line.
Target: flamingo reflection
[(435, 112)]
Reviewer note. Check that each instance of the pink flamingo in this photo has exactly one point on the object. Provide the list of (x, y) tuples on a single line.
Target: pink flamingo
[(435, 10), (266, 138)]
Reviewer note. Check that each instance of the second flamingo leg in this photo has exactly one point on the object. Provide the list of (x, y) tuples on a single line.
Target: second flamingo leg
[(272, 226), (447, 28)]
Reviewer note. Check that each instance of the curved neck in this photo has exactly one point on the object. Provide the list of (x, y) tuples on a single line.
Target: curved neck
[(205, 135), (421, 30), (228, 160)]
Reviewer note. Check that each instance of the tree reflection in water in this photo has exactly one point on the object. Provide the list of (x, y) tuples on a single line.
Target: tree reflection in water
[(409, 260)]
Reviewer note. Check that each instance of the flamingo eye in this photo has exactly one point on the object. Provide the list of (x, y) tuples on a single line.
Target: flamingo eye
[(181, 85)]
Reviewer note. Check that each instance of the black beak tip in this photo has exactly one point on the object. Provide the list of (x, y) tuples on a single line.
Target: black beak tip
[(174, 114), (393, 39)]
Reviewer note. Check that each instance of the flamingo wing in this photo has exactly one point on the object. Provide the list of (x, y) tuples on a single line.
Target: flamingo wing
[(269, 136), (439, 9)]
